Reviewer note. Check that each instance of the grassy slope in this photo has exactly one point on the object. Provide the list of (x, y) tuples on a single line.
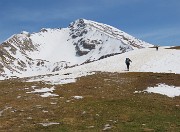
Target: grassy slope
[(109, 98)]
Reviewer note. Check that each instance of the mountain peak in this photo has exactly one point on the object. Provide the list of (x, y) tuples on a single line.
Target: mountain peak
[(78, 23), (25, 33), (50, 50)]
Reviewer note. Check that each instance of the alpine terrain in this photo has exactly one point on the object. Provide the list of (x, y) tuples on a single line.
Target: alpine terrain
[(75, 79), (51, 50)]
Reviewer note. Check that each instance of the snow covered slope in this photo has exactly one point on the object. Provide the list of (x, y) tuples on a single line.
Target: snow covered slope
[(143, 60), (51, 50)]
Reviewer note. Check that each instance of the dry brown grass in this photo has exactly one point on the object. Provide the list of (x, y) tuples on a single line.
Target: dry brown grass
[(108, 98), (175, 47)]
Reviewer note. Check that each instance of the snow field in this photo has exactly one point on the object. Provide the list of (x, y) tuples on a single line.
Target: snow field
[(143, 60), (170, 91)]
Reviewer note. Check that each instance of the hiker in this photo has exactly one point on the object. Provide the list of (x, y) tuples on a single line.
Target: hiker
[(156, 48), (128, 63)]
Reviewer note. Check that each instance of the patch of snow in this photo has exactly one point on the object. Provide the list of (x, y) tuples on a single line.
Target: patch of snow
[(49, 124), (25, 32), (42, 90), (138, 92), (33, 87), (46, 92), (48, 95), (170, 91), (78, 97)]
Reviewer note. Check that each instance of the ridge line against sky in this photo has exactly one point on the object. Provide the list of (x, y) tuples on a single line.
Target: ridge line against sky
[(154, 21)]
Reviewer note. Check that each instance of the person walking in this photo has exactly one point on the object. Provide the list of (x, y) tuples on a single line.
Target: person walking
[(157, 48), (127, 61)]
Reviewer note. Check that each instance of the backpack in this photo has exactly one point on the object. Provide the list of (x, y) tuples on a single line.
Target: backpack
[(127, 60)]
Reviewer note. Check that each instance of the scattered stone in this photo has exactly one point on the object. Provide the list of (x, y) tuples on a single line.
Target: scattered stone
[(90, 126), (84, 112), (97, 114), (39, 106), (53, 103), (49, 124), (77, 97), (45, 111), (1, 112), (67, 101), (29, 118), (18, 97), (106, 127)]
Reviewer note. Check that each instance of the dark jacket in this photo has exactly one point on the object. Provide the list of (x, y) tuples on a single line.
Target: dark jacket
[(128, 61)]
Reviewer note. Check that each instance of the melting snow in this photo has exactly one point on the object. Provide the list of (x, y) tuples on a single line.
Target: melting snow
[(170, 91), (78, 97), (46, 92), (49, 123), (48, 95), (42, 90)]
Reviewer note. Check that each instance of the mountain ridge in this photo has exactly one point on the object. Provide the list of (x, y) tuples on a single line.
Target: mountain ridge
[(49, 50)]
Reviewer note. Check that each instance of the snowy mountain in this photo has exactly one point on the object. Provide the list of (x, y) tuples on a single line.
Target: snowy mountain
[(143, 60), (51, 50)]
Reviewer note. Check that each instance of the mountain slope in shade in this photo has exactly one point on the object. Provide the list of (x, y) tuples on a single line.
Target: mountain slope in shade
[(51, 50)]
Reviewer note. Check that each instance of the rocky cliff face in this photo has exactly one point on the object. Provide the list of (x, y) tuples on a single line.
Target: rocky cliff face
[(52, 50), (89, 35)]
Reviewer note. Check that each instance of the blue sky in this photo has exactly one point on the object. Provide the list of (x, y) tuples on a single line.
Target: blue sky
[(154, 21)]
